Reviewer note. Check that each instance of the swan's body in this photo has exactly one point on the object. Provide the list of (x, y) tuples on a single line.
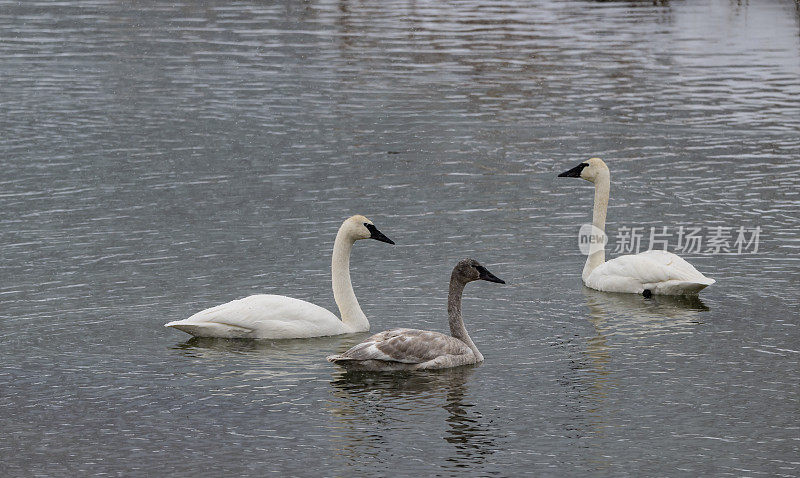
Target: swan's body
[(651, 272), (278, 317), (413, 349), (660, 272), (264, 316)]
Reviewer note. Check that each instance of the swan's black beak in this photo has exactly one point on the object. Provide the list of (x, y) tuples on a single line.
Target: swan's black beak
[(488, 276), (377, 235), (574, 172)]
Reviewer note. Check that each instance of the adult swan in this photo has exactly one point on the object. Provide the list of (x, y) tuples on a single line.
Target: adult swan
[(278, 317), (648, 273)]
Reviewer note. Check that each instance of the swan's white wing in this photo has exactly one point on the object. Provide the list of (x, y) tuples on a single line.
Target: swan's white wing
[(660, 270), (262, 316), (406, 346), (680, 269)]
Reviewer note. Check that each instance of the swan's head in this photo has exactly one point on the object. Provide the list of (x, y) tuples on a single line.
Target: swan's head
[(359, 227), (468, 270), (589, 170)]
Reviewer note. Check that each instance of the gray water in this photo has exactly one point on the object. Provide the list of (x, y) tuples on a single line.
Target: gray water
[(158, 158)]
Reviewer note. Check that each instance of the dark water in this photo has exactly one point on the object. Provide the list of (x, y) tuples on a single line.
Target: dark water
[(157, 158)]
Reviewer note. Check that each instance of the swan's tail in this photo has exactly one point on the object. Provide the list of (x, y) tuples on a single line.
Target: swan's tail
[(209, 329), (692, 287), (341, 359)]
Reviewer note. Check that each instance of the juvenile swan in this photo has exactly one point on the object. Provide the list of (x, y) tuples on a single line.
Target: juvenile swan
[(648, 273), (278, 317), (412, 349)]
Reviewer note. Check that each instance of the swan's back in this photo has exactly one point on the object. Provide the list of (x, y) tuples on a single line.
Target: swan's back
[(406, 349), (262, 316), (661, 272)]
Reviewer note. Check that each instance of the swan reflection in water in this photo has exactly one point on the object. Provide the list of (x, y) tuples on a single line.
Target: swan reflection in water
[(265, 357), (634, 315), (283, 349), (591, 379), (371, 409)]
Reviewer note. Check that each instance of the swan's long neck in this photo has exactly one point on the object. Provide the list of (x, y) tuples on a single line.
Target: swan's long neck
[(457, 328), (343, 294), (597, 253)]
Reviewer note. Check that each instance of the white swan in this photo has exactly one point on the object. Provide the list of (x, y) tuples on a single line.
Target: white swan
[(413, 349), (278, 317), (648, 273)]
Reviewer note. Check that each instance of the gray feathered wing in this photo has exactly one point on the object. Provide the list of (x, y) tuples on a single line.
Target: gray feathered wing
[(409, 346)]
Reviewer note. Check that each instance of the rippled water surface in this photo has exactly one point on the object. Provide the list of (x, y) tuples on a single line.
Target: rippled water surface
[(158, 158)]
